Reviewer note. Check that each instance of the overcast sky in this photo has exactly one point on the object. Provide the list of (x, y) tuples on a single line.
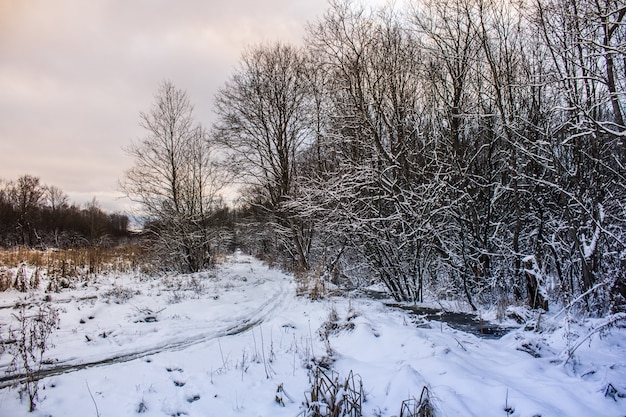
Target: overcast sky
[(75, 74)]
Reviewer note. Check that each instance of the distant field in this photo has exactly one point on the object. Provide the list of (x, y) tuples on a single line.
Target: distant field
[(24, 268)]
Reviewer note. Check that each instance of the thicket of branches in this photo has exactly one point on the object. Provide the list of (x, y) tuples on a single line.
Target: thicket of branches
[(36, 215), (475, 146)]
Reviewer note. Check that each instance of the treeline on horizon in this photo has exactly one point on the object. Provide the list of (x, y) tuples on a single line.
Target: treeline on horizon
[(36, 215)]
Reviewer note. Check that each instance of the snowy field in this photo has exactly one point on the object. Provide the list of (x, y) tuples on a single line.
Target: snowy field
[(220, 343)]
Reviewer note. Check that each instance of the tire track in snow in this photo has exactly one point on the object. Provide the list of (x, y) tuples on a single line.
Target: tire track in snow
[(240, 325)]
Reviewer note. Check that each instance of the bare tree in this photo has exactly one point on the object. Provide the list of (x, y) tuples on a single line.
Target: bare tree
[(55, 198), (26, 196), (263, 123), (57, 201), (586, 43), (175, 180), (377, 192), (464, 154)]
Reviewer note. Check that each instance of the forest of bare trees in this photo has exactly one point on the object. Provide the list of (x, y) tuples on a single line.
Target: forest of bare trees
[(470, 148), (40, 216)]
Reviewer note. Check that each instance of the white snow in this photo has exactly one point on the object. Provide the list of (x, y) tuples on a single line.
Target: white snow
[(589, 248), (220, 343)]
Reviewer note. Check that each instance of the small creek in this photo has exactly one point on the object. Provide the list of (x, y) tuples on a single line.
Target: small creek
[(465, 322)]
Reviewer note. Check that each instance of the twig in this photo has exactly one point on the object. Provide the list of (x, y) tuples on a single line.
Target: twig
[(460, 344), (92, 399), (221, 353), (577, 299), (507, 409), (609, 321), (311, 340), (267, 374), (256, 352)]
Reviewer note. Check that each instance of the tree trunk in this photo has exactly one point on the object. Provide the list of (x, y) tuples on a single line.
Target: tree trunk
[(535, 297)]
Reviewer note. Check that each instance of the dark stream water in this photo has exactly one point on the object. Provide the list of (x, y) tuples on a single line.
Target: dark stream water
[(465, 322)]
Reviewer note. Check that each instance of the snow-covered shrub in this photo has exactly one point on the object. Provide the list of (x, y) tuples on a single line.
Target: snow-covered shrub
[(119, 295), (30, 340), (182, 287), (21, 279), (6, 278), (311, 284)]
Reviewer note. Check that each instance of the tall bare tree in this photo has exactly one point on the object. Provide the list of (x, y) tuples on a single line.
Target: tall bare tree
[(175, 180), (264, 123)]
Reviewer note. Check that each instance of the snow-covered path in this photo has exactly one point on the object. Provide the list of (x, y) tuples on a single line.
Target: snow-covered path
[(98, 331), (221, 343)]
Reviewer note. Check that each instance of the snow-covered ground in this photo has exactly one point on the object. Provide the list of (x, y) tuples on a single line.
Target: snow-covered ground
[(220, 343)]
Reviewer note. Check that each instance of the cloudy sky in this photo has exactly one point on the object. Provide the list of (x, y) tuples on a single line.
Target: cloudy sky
[(75, 74)]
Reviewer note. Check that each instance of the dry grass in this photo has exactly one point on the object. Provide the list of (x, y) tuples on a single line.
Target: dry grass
[(23, 268), (331, 396), (418, 408), (311, 284)]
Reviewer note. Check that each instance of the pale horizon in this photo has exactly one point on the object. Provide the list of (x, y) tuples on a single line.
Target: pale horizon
[(75, 75)]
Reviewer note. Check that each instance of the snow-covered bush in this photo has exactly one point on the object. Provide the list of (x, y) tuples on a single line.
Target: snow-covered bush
[(27, 344)]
